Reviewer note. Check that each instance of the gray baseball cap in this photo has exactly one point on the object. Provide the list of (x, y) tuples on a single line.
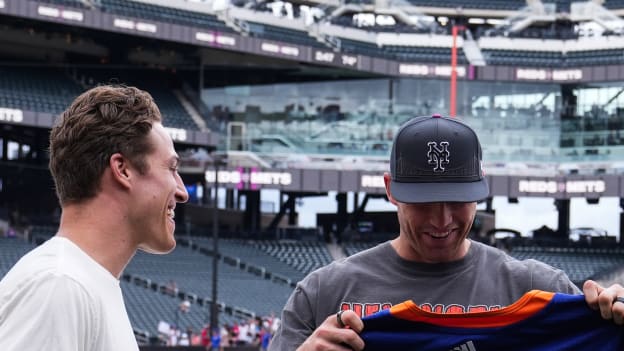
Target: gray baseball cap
[(437, 159)]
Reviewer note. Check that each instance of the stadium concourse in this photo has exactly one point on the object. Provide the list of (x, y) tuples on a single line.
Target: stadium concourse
[(287, 101)]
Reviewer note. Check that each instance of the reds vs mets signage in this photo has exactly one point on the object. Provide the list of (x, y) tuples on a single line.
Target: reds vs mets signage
[(251, 179), (560, 187)]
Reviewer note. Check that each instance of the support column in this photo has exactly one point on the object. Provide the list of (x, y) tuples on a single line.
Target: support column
[(292, 214), (238, 200), (229, 198), (252, 210), (5, 149), (343, 215), (488, 205), (285, 206), (563, 227), (622, 222)]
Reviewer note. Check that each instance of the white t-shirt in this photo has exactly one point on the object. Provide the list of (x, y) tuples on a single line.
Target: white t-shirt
[(57, 297)]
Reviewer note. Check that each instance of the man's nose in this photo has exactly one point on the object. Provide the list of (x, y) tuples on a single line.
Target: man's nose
[(441, 215), (181, 194)]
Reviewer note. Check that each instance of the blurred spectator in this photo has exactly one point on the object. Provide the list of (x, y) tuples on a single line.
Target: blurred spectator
[(173, 336), (215, 340), (205, 335), (194, 338), (265, 339), (225, 336), (185, 306), (171, 288), (184, 340), (255, 332), (234, 333)]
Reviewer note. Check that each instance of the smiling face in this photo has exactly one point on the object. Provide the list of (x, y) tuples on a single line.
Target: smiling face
[(158, 190), (433, 232)]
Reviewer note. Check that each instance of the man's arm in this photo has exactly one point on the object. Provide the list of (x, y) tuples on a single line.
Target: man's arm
[(298, 330), (335, 335), (297, 322)]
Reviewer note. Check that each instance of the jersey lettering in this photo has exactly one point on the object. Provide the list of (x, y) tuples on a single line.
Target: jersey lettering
[(366, 309)]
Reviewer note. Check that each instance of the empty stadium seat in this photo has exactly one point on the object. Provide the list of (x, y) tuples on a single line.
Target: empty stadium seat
[(579, 263), (39, 89), (154, 82), (192, 272), (164, 14)]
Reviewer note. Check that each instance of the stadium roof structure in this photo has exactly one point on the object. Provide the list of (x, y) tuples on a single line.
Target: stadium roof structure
[(218, 28), (310, 40)]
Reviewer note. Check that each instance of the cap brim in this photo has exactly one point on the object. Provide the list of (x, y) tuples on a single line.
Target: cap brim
[(439, 192)]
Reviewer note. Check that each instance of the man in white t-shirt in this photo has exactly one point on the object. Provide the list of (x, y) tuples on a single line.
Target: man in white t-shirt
[(115, 171)]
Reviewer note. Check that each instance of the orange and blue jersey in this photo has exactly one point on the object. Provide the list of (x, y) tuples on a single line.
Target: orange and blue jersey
[(538, 321)]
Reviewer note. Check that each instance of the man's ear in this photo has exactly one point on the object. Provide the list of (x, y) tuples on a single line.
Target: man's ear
[(387, 184), (121, 170)]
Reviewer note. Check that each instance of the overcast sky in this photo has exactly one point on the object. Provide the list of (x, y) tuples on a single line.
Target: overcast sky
[(526, 215)]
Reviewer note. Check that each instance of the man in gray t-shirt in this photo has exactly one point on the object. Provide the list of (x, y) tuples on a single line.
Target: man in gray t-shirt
[(435, 181)]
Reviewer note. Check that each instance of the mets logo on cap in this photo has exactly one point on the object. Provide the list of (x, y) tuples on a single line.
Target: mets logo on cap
[(438, 155)]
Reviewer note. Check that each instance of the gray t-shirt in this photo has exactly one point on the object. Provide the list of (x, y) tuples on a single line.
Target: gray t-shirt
[(486, 278)]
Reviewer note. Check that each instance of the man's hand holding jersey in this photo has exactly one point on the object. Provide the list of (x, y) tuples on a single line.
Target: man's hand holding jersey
[(337, 333), (610, 301)]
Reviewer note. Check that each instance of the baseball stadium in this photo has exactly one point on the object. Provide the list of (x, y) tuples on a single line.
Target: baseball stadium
[(284, 113)]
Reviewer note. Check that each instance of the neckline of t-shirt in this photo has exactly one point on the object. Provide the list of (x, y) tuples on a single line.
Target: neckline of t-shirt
[(67, 243), (432, 269)]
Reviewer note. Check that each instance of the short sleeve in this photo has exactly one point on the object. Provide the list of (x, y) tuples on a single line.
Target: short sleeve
[(50, 313), (297, 322)]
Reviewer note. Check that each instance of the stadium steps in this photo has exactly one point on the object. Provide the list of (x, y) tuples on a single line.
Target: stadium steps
[(190, 109), (325, 39), (472, 51), (160, 86), (246, 159), (336, 251), (240, 26)]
